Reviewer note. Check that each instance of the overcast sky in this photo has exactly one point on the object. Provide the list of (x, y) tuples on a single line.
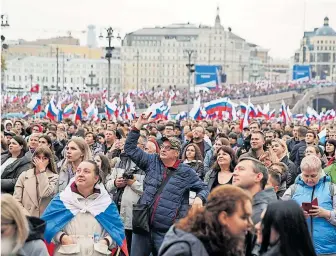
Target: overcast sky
[(274, 24)]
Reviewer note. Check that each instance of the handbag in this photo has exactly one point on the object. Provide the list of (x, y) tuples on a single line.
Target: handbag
[(141, 212)]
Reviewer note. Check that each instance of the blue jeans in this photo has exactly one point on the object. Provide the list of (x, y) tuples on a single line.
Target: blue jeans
[(147, 244)]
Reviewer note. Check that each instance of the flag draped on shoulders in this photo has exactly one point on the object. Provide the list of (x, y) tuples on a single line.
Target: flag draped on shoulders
[(66, 206)]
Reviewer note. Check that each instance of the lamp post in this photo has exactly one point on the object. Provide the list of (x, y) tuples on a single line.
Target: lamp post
[(4, 46), (191, 70), (108, 56), (57, 49), (92, 76), (31, 82), (137, 56)]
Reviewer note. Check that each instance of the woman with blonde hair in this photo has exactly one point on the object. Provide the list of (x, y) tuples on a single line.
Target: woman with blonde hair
[(19, 235), (77, 150), (279, 147), (36, 186)]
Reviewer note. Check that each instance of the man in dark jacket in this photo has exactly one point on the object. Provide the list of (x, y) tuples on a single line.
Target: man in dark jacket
[(257, 145), (293, 141), (173, 202), (250, 174), (310, 141), (294, 156)]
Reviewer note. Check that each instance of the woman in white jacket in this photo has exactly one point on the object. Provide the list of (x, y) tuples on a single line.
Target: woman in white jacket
[(83, 220)]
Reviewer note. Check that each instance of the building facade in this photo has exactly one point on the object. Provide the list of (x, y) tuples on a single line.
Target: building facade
[(157, 56), (318, 49), (74, 74), (278, 70)]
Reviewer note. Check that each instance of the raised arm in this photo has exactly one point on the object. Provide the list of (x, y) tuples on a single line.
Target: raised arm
[(138, 156)]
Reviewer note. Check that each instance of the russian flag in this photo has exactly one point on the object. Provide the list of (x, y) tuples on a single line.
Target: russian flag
[(64, 207), (166, 112), (78, 112), (111, 108), (35, 103), (284, 113), (52, 111), (322, 136), (68, 110), (15, 99), (253, 110), (243, 108), (95, 116), (181, 116), (196, 112), (156, 109), (244, 122), (90, 110), (271, 114), (216, 105)]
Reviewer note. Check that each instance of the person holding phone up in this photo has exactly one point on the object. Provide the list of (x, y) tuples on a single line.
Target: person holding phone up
[(315, 193), (125, 183)]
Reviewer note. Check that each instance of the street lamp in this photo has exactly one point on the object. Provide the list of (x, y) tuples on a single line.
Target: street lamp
[(137, 56), (108, 56), (191, 70)]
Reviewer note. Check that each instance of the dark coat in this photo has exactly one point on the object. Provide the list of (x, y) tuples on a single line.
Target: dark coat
[(173, 202), (12, 172), (179, 242), (293, 154), (260, 202), (58, 148), (34, 244), (292, 171), (291, 143), (198, 167)]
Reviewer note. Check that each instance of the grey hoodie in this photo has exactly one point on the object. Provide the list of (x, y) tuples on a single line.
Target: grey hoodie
[(260, 202), (180, 243)]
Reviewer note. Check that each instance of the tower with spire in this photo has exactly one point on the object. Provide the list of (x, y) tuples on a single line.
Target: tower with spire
[(218, 20)]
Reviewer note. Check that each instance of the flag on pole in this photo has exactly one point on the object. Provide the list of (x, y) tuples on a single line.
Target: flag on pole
[(35, 88), (78, 112), (35, 103)]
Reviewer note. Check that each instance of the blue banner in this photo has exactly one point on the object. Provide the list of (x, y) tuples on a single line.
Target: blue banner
[(208, 76), (301, 72)]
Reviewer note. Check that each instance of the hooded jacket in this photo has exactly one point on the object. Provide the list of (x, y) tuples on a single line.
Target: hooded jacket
[(323, 231), (179, 242), (7, 122), (34, 244)]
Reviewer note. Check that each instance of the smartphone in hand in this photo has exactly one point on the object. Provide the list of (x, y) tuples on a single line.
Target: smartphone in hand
[(309, 206)]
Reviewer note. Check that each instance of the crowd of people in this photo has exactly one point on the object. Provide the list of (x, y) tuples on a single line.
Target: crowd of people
[(17, 103), (157, 187)]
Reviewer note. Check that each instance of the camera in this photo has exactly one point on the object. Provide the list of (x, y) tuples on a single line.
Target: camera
[(128, 176)]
